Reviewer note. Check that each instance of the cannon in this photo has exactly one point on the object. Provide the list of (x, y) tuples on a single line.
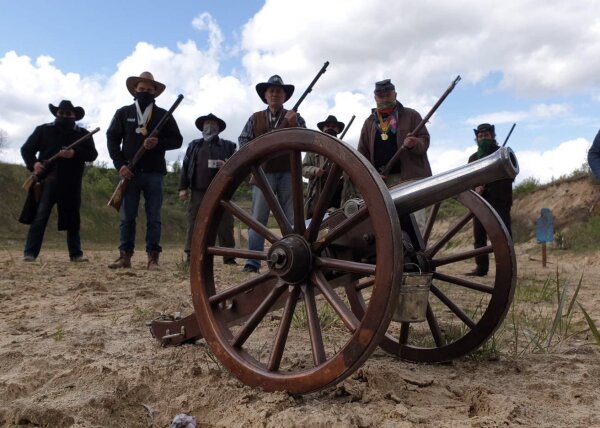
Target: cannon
[(340, 283)]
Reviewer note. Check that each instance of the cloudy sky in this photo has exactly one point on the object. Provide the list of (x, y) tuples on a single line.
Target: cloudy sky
[(535, 63)]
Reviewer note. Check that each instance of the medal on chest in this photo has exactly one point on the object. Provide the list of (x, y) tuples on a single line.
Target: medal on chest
[(142, 130)]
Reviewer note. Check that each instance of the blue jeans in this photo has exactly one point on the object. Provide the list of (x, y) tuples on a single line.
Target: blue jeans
[(151, 185), (35, 236), (281, 184)]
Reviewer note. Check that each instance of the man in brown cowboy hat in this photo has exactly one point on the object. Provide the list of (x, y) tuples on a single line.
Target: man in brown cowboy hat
[(274, 93), (203, 158), (62, 182), (313, 165), (128, 131)]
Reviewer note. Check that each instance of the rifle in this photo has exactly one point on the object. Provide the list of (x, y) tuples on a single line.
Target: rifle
[(117, 196), (388, 167), (306, 92), (508, 136), (347, 127), (37, 177), (310, 193)]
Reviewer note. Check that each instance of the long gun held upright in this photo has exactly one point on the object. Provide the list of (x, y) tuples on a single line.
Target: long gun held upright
[(347, 127), (509, 133), (392, 162), (35, 177), (117, 196), (306, 92)]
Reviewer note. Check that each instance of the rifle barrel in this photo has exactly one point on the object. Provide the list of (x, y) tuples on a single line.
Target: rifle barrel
[(347, 127), (508, 136)]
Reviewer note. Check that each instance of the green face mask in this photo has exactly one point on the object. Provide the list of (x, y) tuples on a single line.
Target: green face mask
[(484, 148)]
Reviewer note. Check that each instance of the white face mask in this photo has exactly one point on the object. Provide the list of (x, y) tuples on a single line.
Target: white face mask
[(209, 131)]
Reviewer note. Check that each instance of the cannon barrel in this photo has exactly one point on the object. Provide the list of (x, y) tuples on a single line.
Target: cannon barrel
[(416, 195)]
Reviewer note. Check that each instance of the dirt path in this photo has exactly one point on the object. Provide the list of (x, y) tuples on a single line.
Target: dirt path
[(75, 351)]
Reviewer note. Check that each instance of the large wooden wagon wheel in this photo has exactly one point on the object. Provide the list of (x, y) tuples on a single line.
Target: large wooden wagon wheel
[(297, 295), (462, 312)]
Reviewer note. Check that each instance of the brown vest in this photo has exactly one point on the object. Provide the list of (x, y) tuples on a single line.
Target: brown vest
[(262, 126)]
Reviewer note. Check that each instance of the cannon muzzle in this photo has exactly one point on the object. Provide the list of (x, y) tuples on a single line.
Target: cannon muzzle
[(415, 195)]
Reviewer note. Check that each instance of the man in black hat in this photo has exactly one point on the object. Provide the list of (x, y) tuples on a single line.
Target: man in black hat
[(203, 158), (313, 165), (498, 194), (274, 93), (62, 182), (128, 131)]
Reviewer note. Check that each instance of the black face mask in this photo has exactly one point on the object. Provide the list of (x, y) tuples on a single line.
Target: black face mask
[(64, 122), (144, 99)]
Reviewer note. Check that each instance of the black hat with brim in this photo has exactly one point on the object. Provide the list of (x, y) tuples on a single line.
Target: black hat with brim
[(485, 127), (333, 120), (274, 80), (200, 122), (67, 105)]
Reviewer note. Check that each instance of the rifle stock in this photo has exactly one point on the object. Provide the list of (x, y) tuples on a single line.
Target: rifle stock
[(35, 178), (117, 197), (392, 162)]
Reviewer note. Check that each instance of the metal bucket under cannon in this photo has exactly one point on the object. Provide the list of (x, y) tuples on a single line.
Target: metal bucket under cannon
[(351, 265)]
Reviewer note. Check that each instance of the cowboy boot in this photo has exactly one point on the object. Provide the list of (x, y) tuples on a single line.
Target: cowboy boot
[(124, 260), (153, 260)]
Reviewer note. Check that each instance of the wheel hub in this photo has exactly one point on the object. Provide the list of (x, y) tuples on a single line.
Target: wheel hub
[(290, 258)]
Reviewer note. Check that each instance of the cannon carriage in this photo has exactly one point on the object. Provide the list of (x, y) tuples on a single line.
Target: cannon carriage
[(341, 283)]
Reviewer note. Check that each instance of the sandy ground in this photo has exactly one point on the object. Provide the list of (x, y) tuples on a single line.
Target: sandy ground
[(75, 351)]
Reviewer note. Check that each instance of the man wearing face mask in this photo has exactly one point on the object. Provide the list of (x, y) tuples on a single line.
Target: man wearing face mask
[(128, 131), (387, 130), (313, 164), (498, 194), (62, 182), (274, 93), (203, 158)]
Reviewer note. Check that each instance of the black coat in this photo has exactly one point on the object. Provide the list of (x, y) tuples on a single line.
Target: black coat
[(45, 142), (123, 142), (498, 193), (199, 176)]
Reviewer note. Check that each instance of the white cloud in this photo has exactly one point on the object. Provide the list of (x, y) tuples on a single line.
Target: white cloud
[(536, 47), (537, 112)]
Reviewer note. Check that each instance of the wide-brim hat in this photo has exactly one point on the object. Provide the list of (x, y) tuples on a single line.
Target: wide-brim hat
[(274, 80), (146, 76), (332, 119), (200, 122), (67, 105)]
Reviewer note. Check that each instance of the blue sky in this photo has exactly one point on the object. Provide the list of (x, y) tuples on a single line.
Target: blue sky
[(533, 62)]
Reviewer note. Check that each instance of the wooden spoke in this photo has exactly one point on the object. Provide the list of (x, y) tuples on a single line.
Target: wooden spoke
[(434, 327), (297, 191), (463, 282), (323, 202), (441, 261), (335, 301), (345, 265), (265, 187), (404, 330), (341, 229), (432, 251), (249, 221), (453, 307), (430, 222), (283, 330), (258, 315), (237, 252), (240, 288), (314, 326), (366, 284)]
